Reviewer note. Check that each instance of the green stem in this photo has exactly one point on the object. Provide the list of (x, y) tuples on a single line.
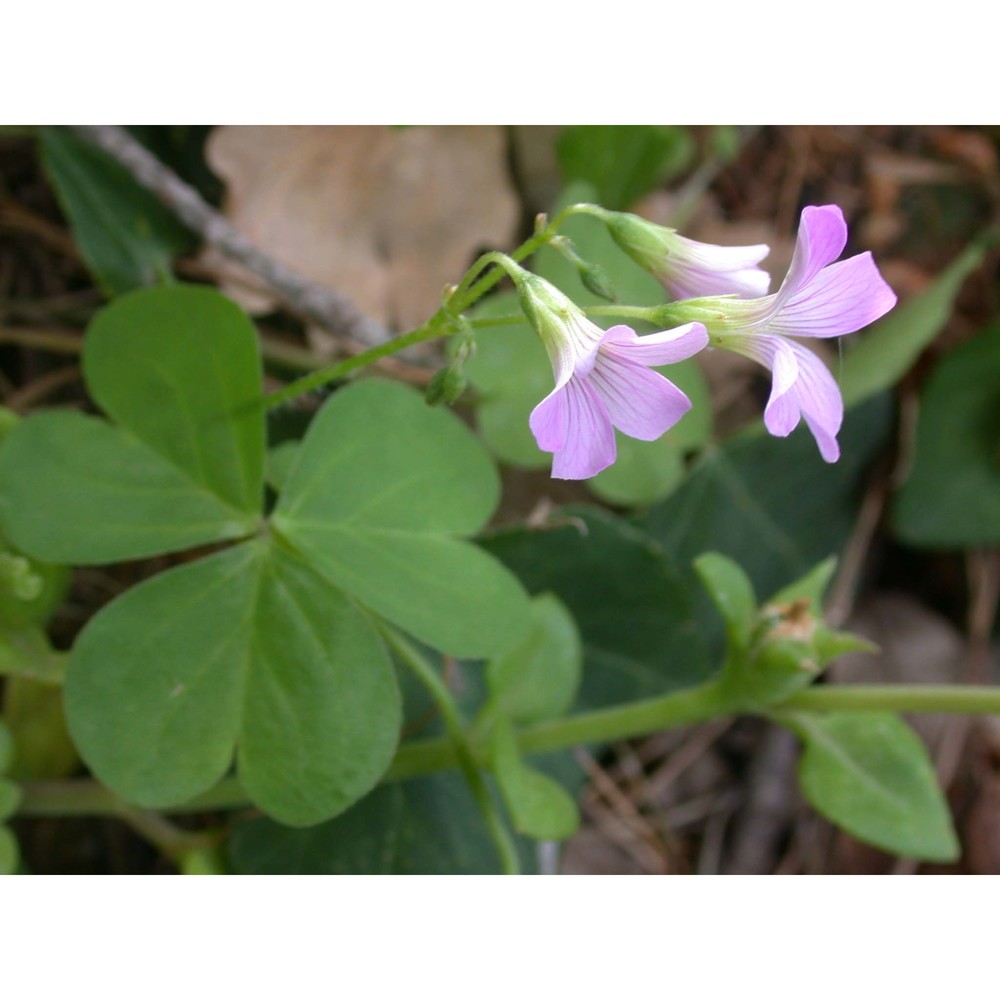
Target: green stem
[(442, 324), (439, 691), (640, 718)]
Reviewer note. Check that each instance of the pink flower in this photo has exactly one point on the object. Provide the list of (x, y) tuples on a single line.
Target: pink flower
[(603, 381), (817, 299), (686, 268)]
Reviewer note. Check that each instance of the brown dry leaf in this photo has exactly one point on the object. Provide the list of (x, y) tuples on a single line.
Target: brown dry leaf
[(386, 216)]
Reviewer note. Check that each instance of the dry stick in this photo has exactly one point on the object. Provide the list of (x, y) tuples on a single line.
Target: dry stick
[(310, 302)]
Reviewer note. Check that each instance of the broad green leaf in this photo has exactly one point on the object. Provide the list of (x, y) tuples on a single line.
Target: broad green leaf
[(179, 368), (382, 492), (886, 353), (869, 773), (633, 607), (10, 855), (623, 162), (126, 236), (732, 594), (540, 807), (643, 472), (430, 826), (249, 648), (75, 489), (538, 679), (771, 504), (951, 498)]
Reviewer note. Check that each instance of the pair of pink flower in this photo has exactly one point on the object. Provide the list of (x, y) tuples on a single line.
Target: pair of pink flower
[(603, 378)]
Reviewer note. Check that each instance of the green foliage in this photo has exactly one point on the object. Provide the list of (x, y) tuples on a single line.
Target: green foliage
[(538, 678), (539, 805), (772, 505), (259, 651), (732, 594), (869, 773), (429, 826), (623, 162), (385, 528), (633, 608), (886, 353), (126, 237), (951, 498)]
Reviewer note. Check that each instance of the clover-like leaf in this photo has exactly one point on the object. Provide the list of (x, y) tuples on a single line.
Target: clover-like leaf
[(248, 649), (382, 492), (178, 369)]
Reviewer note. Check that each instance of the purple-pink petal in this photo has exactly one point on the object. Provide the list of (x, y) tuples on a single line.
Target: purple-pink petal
[(698, 269), (664, 348), (841, 299), (821, 240), (548, 420), (589, 443), (639, 402)]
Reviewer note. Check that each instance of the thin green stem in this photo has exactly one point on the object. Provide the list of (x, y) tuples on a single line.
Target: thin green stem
[(640, 718), (435, 684)]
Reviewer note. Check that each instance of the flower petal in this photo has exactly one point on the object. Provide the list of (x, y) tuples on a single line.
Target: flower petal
[(821, 240), (842, 298), (572, 422), (699, 269), (802, 386), (665, 348), (639, 402)]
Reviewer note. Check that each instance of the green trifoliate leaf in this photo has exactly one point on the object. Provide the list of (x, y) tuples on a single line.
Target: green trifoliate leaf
[(383, 491), (540, 807), (869, 773), (538, 679), (251, 651)]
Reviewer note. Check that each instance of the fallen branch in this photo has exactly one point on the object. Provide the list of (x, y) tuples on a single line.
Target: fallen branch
[(322, 306)]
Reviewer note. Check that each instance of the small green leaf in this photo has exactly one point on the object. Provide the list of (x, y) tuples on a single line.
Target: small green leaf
[(732, 593), (809, 587), (951, 498), (623, 162), (35, 604), (869, 773), (125, 235), (540, 807), (886, 353), (538, 678), (643, 472), (10, 854), (383, 489), (248, 647), (36, 716)]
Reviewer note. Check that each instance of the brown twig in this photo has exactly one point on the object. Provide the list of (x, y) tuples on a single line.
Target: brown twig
[(322, 306)]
